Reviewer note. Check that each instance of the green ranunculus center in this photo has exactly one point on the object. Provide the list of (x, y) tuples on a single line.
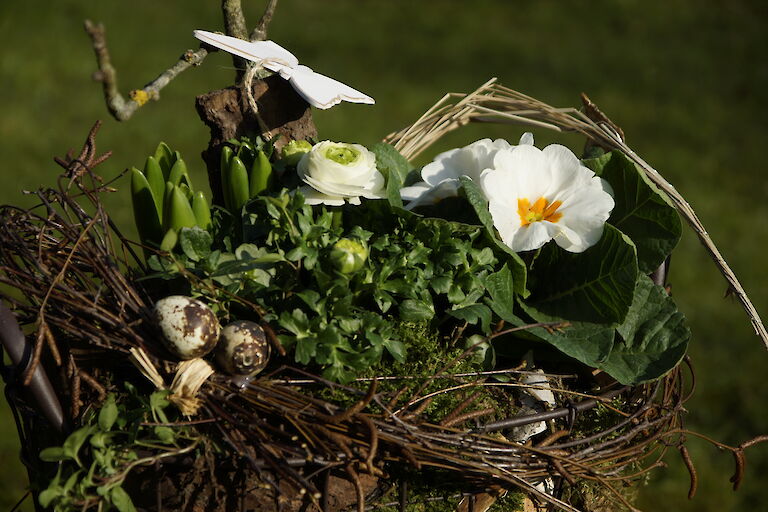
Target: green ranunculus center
[(342, 154)]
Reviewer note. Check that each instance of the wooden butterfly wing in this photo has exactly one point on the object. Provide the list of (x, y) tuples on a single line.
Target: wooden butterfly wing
[(265, 53), (322, 91)]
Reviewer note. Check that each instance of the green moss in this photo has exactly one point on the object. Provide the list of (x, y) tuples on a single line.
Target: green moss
[(601, 418)]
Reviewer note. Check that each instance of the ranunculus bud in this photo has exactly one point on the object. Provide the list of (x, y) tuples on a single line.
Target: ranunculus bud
[(294, 150), (348, 256), (336, 172)]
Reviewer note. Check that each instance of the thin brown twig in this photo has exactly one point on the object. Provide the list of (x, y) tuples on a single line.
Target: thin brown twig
[(122, 109), (691, 470), (260, 32)]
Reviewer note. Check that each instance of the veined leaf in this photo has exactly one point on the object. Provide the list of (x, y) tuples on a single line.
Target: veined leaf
[(389, 161), (195, 242), (642, 211), (652, 339), (587, 342), (594, 286), (501, 287), (415, 310)]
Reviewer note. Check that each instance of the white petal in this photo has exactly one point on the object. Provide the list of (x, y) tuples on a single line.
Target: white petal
[(415, 191), (560, 156), (531, 237), (428, 194), (440, 169), (526, 139), (313, 197), (470, 161)]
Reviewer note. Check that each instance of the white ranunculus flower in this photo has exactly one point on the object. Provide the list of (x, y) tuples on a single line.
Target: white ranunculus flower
[(537, 195), (336, 172), (441, 176)]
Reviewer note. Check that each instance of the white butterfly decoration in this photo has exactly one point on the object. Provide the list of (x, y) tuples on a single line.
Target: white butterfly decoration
[(318, 90)]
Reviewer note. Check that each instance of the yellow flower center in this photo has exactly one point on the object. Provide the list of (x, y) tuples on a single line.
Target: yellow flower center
[(540, 210)]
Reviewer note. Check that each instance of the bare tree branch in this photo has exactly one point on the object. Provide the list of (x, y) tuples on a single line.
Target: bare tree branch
[(234, 19), (260, 32), (234, 25), (120, 108)]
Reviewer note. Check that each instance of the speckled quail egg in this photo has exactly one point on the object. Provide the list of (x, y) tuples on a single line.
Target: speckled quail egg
[(243, 349), (189, 327)]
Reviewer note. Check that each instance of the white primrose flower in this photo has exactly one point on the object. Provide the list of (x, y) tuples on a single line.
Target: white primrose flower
[(336, 172), (537, 195), (441, 176)]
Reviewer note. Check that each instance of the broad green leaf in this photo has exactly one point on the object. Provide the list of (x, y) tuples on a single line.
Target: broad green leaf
[(478, 201), (414, 310), (642, 212), (474, 314), (121, 500), (394, 184), (389, 161), (296, 322), (501, 287), (195, 242), (652, 339), (594, 286), (396, 349), (306, 348), (587, 342), (108, 413)]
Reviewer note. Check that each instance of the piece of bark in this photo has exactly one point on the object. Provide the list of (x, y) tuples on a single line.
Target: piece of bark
[(227, 113)]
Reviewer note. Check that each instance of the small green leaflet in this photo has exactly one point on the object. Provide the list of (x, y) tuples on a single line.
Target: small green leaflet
[(195, 242)]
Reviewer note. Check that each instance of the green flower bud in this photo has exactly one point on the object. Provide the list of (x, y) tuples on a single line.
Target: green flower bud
[(348, 256), (294, 150)]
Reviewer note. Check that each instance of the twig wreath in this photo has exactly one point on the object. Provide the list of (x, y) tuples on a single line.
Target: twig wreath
[(336, 328)]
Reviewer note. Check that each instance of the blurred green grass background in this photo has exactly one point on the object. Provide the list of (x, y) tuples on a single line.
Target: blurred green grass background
[(687, 80)]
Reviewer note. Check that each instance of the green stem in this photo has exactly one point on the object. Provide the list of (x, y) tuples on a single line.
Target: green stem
[(337, 218)]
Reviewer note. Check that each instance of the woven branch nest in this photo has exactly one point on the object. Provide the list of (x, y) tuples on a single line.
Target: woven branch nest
[(72, 291)]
